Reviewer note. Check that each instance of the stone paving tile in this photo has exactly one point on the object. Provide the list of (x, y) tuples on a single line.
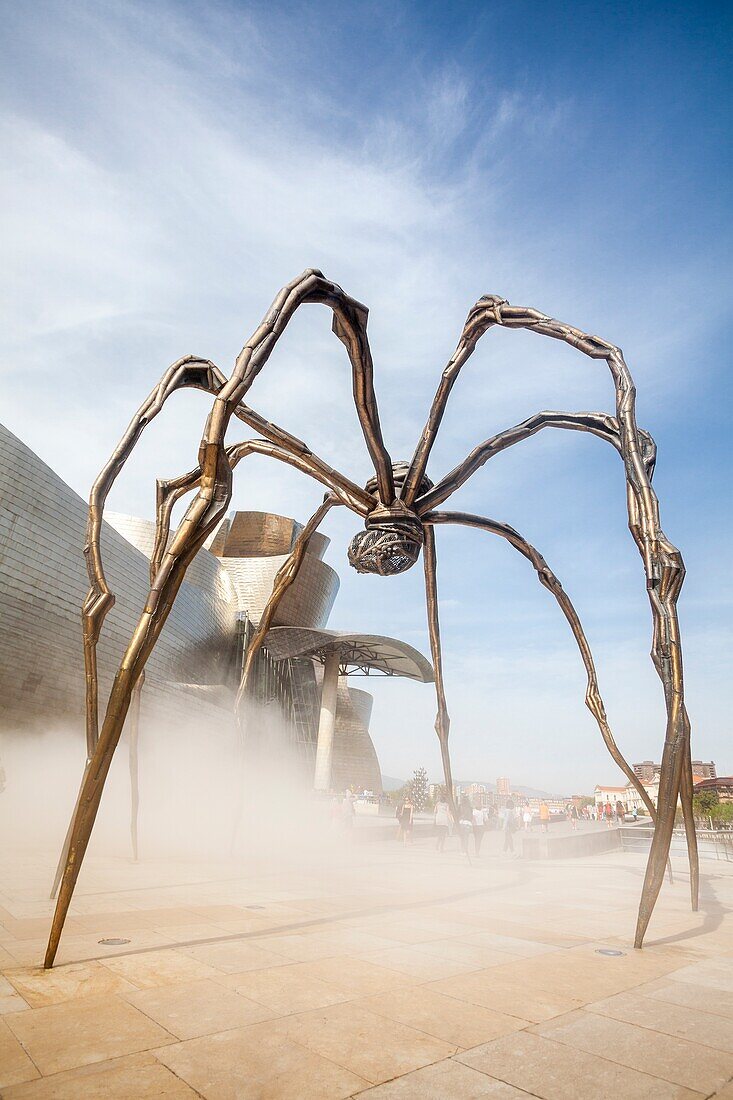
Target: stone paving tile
[(286, 989), (538, 934), (234, 956), (191, 1009), (15, 1065), (448, 1080), (404, 932), (447, 1018), (726, 1093), (512, 945), (585, 977), (76, 1033), (355, 976), (555, 1071), (670, 1019), (252, 1064), (478, 957), (299, 947), (696, 997), (74, 949), (502, 993), (10, 999), (420, 965), (673, 1059), (136, 1077), (41, 987), (177, 934), (372, 1046), (158, 968), (716, 973)]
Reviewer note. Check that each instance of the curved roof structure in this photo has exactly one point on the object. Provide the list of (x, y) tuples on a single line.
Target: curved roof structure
[(365, 653)]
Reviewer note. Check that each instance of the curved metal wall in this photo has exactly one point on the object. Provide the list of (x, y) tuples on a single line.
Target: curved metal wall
[(43, 583), (355, 760)]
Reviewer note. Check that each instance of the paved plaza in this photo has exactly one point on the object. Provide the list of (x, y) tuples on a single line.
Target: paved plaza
[(368, 969)]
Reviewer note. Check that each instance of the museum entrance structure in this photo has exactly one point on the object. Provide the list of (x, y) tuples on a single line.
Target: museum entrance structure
[(400, 510), (342, 655)]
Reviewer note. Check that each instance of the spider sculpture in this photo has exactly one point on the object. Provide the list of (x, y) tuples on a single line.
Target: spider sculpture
[(400, 509)]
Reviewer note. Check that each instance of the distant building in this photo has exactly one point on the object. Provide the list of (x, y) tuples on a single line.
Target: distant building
[(634, 800), (723, 785), (602, 795), (475, 789), (648, 771), (503, 790)]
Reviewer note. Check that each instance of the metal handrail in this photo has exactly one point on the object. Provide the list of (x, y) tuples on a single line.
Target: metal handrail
[(712, 843)]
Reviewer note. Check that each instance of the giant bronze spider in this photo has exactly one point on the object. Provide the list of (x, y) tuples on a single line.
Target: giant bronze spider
[(399, 508)]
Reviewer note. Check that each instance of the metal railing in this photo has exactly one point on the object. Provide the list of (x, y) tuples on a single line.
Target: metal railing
[(712, 843)]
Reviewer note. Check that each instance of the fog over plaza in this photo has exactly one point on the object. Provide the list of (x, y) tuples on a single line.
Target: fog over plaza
[(169, 168)]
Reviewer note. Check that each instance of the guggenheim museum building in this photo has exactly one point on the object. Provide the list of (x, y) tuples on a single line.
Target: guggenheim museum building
[(303, 683)]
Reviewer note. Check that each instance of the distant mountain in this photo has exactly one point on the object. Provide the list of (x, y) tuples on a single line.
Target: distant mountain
[(389, 783)]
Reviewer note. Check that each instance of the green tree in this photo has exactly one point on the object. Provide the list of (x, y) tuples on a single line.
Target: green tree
[(722, 814), (704, 802), (419, 789)]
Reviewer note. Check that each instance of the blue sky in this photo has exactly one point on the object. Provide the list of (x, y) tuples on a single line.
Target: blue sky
[(168, 167)]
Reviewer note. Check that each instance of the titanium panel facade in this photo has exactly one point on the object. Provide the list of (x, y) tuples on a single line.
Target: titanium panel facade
[(193, 670)]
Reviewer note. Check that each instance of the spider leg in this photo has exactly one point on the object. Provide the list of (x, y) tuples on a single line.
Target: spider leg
[(189, 372), (133, 762), (663, 563), (349, 325), (547, 578), (285, 577), (168, 492), (442, 718), (202, 517), (195, 372), (605, 427), (600, 424)]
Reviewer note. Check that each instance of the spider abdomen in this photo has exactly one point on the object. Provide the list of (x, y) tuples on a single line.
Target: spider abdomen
[(386, 548)]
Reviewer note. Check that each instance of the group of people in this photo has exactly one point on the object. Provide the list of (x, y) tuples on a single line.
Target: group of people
[(343, 810), (473, 821), (611, 814)]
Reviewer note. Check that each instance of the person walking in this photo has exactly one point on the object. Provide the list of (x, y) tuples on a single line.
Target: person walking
[(405, 815), (510, 823), (479, 827), (465, 821), (442, 820), (347, 813), (544, 816), (527, 817), (608, 813), (620, 811), (571, 813)]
